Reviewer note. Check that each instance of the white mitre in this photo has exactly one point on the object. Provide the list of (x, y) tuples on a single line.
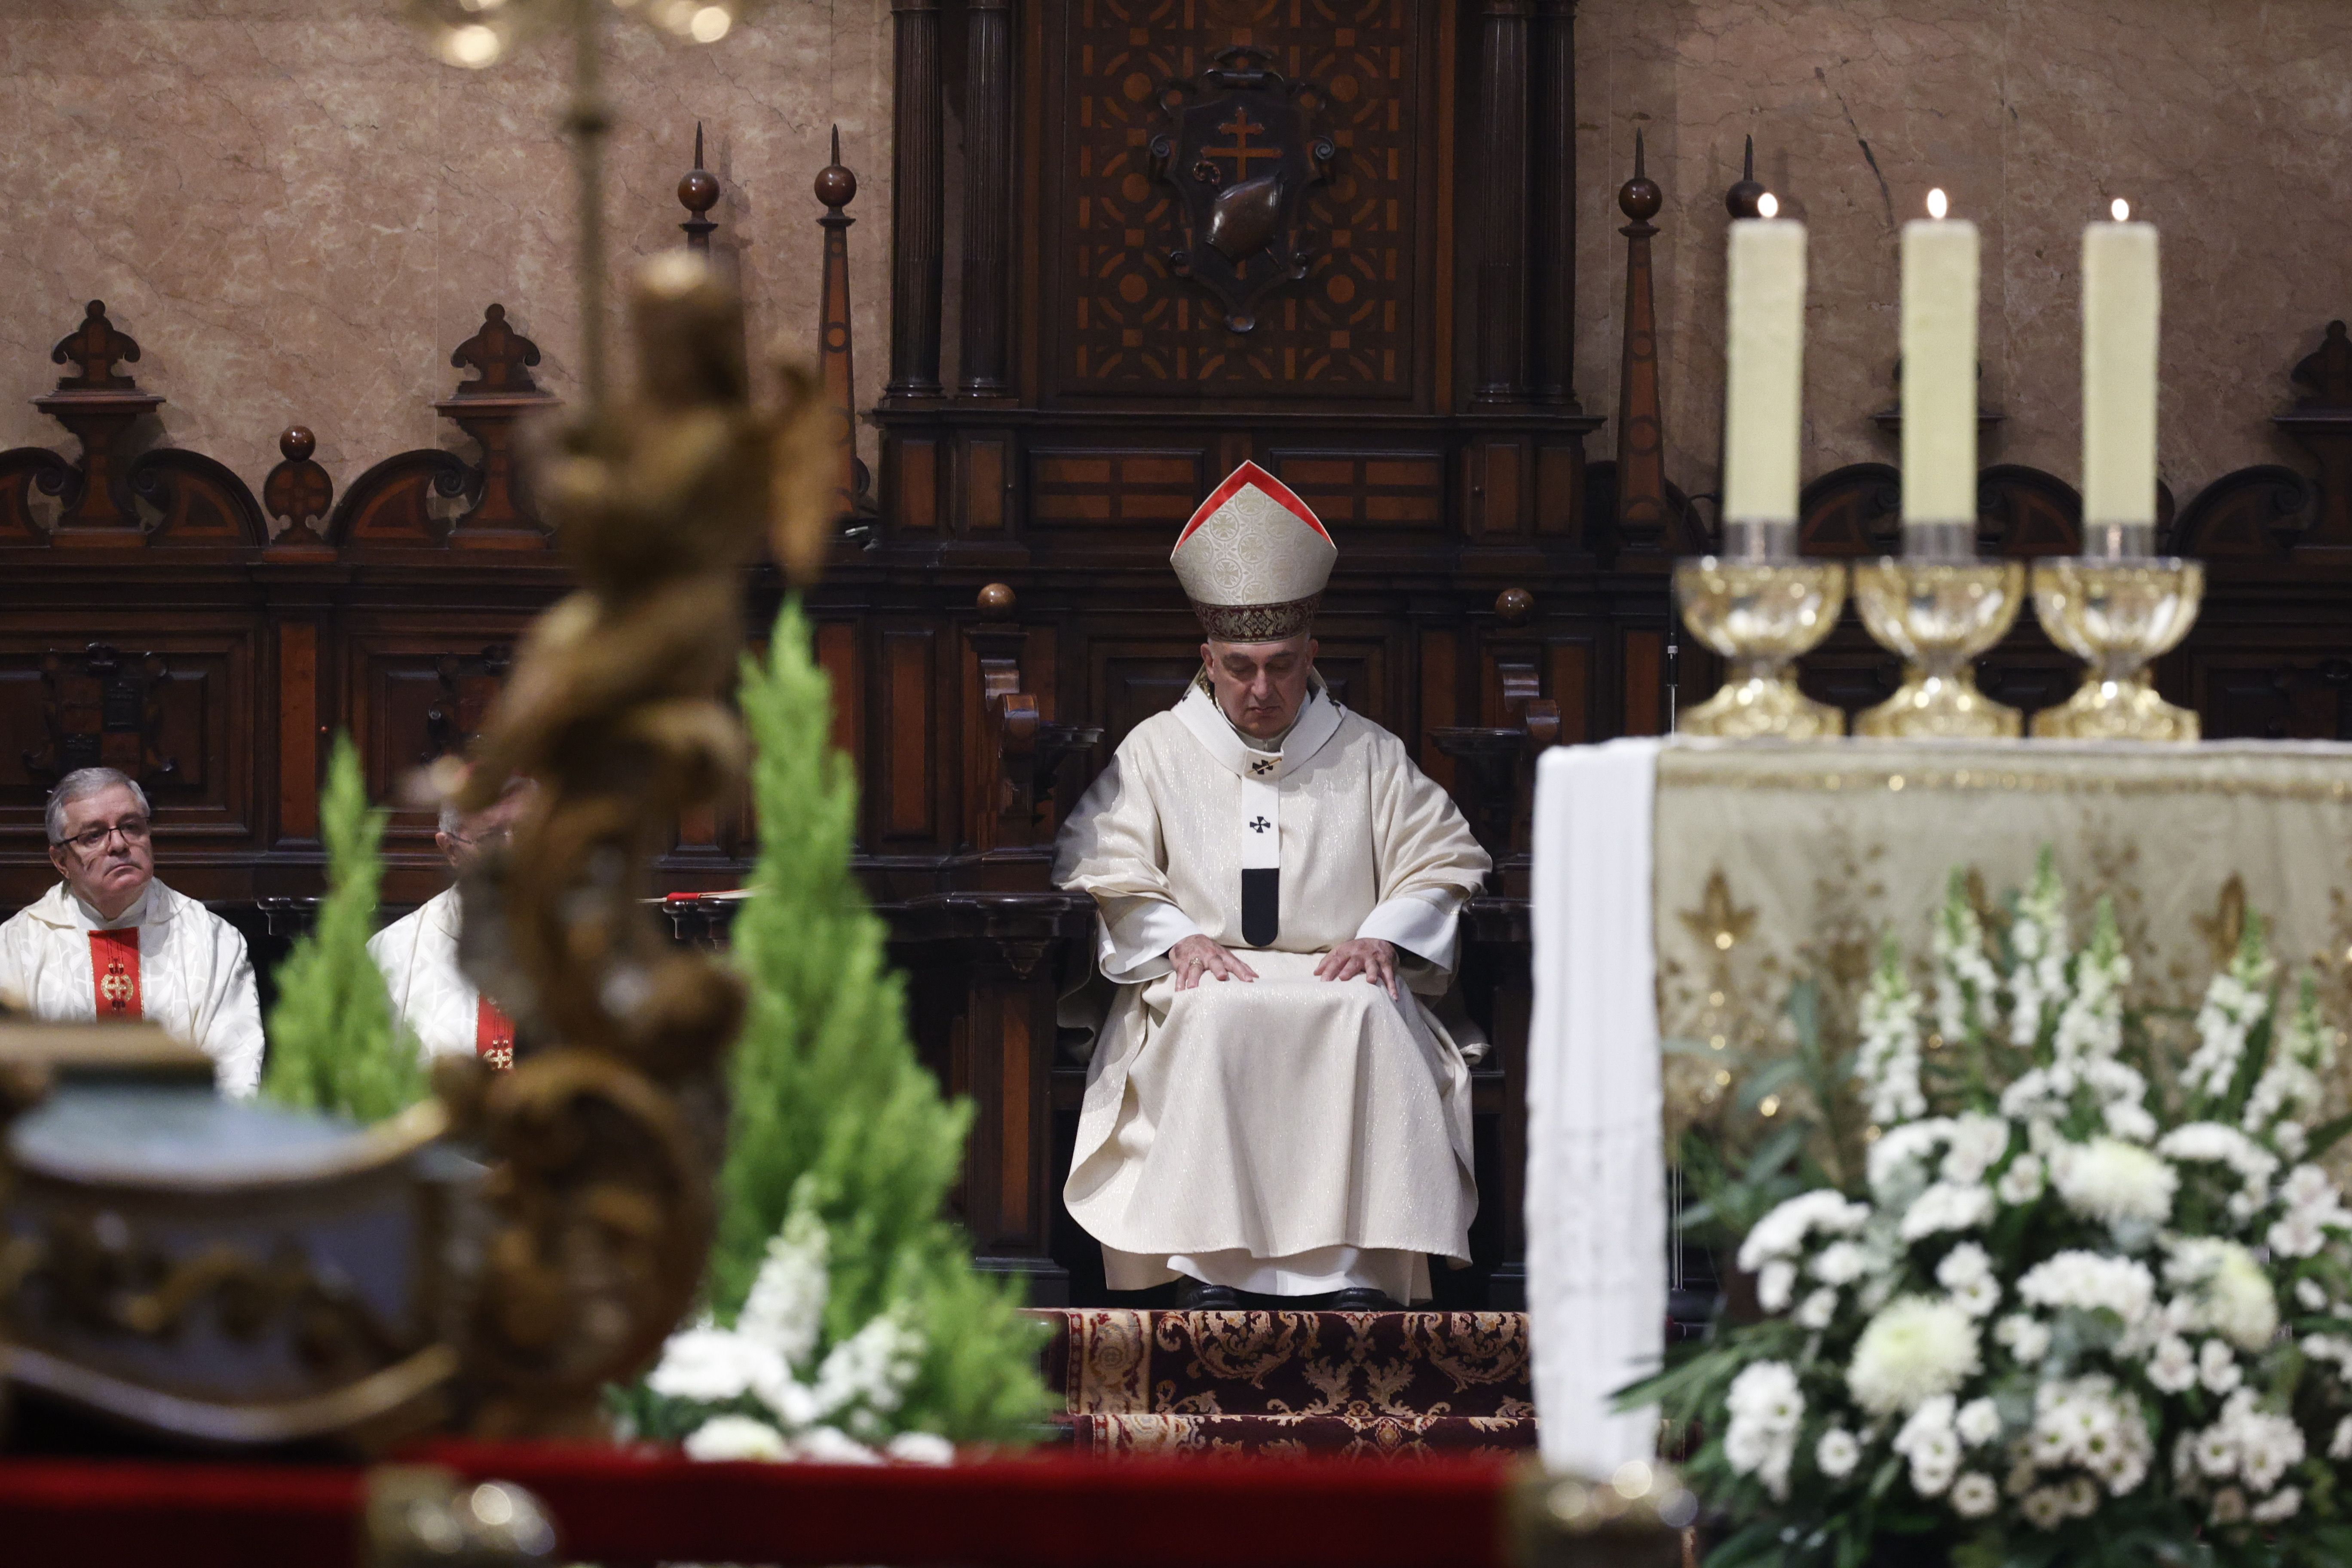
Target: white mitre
[(1254, 559)]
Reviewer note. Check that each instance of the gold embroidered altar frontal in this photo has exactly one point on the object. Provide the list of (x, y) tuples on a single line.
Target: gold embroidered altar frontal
[(1776, 862)]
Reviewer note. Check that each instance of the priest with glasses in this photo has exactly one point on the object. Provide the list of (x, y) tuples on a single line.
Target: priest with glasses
[(1273, 1105), (109, 941)]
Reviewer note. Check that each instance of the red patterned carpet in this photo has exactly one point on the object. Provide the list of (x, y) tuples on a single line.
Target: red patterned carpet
[(1362, 1384)]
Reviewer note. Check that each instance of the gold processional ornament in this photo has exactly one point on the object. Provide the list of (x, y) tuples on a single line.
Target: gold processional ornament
[(605, 1138)]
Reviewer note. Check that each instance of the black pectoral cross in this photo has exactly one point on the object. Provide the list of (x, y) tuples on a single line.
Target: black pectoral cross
[(1263, 767), (1260, 825), (1240, 128)]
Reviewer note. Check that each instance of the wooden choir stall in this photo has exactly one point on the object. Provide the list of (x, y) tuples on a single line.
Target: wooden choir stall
[(1343, 249)]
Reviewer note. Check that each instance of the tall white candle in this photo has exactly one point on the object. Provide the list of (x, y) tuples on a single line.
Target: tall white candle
[(2120, 303), (1939, 373), (1764, 392)]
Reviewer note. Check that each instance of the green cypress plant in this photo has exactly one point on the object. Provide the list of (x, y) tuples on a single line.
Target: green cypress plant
[(832, 1109), (334, 1044)]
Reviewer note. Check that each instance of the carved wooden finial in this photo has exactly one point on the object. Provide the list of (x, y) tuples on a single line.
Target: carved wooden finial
[(298, 491), (501, 354), (698, 193), (1741, 199), (92, 348), (1639, 198), (836, 187), (1514, 606), (2328, 371), (995, 602)]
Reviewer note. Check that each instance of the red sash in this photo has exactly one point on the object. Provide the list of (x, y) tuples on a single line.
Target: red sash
[(115, 972), (493, 1036)]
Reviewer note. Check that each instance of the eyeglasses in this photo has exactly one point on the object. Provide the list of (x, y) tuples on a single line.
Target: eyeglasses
[(90, 840)]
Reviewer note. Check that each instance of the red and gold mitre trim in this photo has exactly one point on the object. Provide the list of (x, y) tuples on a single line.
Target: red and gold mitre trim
[(1254, 559)]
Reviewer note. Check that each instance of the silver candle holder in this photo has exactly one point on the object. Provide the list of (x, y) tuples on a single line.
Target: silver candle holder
[(2117, 607), (1938, 606), (1761, 607)]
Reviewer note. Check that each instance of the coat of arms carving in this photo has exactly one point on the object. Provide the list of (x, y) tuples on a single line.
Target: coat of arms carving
[(1240, 153)]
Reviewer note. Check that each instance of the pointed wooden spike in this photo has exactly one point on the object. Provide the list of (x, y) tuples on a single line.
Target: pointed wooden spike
[(1747, 165), (698, 144), (1637, 152), (837, 146)]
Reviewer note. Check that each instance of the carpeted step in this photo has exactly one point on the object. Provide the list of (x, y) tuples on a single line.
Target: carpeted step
[(1350, 1436), (1326, 1380)]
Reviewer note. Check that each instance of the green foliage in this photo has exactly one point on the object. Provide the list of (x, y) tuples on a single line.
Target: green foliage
[(334, 1044), (827, 1088)]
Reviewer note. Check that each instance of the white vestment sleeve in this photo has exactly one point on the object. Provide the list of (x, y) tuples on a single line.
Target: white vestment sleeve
[(227, 1021), (1135, 936), (1421, 922)]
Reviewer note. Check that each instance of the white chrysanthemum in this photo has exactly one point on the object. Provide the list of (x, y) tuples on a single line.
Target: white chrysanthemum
[(1840, 1263), (1837, 1453), (2339, 1447), (2089, 1282), (832, 1446), (872, 1368), (1913, 1351), (1766, 1408), (2022, 1183), (1977, 1143), (920, 1448), (2228, 1506), (2114, 1183), (1776, 1284), (1964, 1264), (1818, 1310), (1946, 1207), (1897, 1161), (2026, 1338), (1974, 1496), (2309, 1293), (711, 1365), (1782, 1232), (735, 1437), (1978, 1423), (2045, 1508), (2227, 1293), (2173, 1368), (2279, 1509)]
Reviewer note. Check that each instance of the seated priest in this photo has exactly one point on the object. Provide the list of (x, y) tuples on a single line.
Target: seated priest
[(1271, 1105), (111, 942), (418, 953)]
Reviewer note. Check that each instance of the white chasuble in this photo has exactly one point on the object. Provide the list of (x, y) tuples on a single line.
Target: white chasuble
[(191, 975), (1287, 1134), (419, 956)]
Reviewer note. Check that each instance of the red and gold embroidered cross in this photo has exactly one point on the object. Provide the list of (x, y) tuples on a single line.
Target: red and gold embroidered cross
[(115, 972), (493, 1036)]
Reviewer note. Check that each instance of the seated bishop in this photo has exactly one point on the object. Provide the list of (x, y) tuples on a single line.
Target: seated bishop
[(440, 1004), (1272, 1105), (109, 941)]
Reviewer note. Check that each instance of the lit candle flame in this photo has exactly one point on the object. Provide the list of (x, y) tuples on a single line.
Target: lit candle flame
[(2122, 209), (1768, 205), (1938, 204)]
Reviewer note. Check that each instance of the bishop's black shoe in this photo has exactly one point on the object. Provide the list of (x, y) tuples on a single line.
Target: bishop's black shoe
[(1363, 1298), (1200, 1296)]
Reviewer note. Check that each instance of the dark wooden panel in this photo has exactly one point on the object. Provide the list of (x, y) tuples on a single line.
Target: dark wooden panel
[(418, 690), (1440, 701), (907, 784), (1399, 489), (297, 730), (1646, 688), (1123, 321), (984, 485), (1155, 487), (1571, 687)]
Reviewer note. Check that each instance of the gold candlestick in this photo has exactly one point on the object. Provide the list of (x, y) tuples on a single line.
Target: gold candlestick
[(1938, 612), (1759, 614), (2117, 616)]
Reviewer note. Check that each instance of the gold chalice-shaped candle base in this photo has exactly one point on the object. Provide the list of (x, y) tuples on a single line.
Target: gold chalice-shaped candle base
[(2117, 616), (1938, 615), (1759, 614)]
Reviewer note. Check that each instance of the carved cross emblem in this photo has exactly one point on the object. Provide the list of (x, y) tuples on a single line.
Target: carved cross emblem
[(1260, 825), (116, 986), (1240, 128), (1263, 767)]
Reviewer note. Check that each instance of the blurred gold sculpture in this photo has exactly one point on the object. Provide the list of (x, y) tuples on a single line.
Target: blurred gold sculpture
[(604, 1139)]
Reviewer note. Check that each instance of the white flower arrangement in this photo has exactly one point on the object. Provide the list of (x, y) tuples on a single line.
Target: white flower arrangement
[(758, 1391), (2067, 1319)]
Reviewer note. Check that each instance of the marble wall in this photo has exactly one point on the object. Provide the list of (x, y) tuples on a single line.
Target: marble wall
[(298, 211), (2229, 125)]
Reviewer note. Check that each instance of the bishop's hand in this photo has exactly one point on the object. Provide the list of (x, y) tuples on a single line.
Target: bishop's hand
[(1197, 955), (1365, 955)]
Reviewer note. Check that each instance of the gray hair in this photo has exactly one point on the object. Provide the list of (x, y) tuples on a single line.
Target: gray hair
[(80, 785)]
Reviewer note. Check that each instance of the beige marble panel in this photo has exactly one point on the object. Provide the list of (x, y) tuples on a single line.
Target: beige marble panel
[(2230, 125), (298, 212)]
